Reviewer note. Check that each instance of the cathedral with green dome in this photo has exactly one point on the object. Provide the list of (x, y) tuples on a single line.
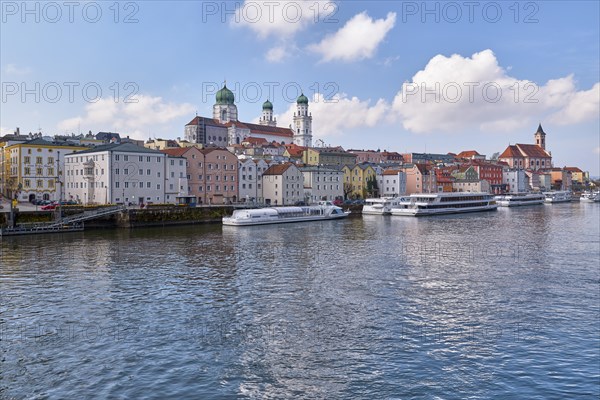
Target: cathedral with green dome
[(224, 129)]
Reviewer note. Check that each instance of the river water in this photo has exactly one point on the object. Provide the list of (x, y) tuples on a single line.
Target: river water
[(502, 304)]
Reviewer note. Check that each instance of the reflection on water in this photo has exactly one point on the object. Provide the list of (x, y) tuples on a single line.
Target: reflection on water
[(493, 304)]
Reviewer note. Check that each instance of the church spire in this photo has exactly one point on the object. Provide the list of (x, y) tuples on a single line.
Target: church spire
[(540, 137), (540, 130)]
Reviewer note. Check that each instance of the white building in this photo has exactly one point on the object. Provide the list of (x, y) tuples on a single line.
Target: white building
[(283, 184), (391, 183), (516, 179), (124, 173), (322, 183), (250, 179), (465, 185), (224, 128)]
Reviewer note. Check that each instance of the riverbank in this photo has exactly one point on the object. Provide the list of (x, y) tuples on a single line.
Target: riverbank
[(141, 218)]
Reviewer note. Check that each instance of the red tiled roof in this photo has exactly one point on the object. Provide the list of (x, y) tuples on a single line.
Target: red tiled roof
[(573, 169), (445, 179), (391, 172), (277, 169), (511, 152), (262, 129), (423, 168), (467, 154), (177, 152), (532, 150), (295, 151), (524, 150), (207, 150), (253, 140)]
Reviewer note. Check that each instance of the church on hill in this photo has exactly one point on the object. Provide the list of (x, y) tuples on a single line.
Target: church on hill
[(224, 128), (529, 156)]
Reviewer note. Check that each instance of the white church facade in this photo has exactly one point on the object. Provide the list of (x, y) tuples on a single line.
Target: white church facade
[(224, 128)]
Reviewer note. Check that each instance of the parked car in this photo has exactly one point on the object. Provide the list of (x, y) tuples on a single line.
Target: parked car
[(299, 203), (338, 202), (49, 207), (347, 202)]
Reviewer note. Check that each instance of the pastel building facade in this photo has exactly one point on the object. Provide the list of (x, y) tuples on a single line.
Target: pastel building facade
[(124, 173), (283, 184)]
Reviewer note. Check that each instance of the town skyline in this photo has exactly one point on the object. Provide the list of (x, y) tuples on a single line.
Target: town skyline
[(537, 63)]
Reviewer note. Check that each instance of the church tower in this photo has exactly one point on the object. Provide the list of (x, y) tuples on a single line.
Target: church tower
[(267, 114), (302, 123), (540, 137), (225, 109)]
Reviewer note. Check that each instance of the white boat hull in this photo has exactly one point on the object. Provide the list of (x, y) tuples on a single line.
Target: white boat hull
[(557, 197), (375, 211), (415, 212), (519, 201), (233, 222), (590, 197)]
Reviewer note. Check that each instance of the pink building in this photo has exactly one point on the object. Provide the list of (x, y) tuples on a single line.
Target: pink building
[(212, 174), (420, 178)]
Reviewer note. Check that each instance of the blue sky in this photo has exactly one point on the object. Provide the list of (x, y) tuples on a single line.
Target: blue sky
[(404, 76)]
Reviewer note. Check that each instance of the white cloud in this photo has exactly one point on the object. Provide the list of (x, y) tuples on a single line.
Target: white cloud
[(339, 114), (455, 93), (597, 150), (580, 106), (358, 39), (16, 70), (277, 54), (149, 115), (280, 19)]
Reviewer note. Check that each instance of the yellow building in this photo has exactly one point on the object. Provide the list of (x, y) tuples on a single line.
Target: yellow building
[(327, 156), (356, 178), (34, 169), (577, 175)]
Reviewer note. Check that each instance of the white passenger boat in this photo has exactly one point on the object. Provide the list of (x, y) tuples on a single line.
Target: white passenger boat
[(382, 205), (279, 215), (520, 199), (590, 197), (445, 203), (558, 197)]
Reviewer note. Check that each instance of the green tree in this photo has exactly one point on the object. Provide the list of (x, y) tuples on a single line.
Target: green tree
[(372, 189)]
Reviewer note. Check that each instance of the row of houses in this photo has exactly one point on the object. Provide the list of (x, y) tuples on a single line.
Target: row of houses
[(105, 168)]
